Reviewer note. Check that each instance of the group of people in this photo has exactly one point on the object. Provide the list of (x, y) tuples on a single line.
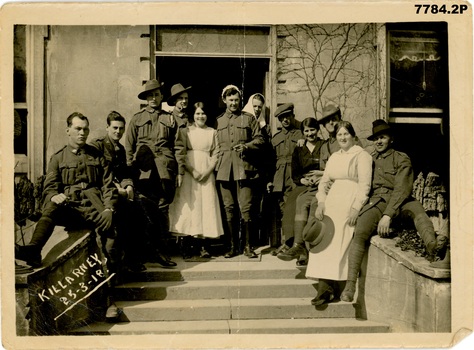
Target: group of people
[(178, 175), (341, 196)]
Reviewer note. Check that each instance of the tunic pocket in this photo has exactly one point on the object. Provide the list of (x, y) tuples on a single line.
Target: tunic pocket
[(93, 170), (68, 172), (144, 130), (242, 134)]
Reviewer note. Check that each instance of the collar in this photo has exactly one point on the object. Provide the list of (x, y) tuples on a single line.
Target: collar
[(76, 151), (230, 114), (286, 131), (384, 154), (152, 110), (112, 142), (179, 114)]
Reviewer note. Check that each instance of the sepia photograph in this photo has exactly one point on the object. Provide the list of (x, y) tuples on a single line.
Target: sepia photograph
[(236, 175)]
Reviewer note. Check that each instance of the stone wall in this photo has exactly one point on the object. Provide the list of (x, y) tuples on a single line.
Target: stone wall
[(332, 63), (93, 70), (401, 289)]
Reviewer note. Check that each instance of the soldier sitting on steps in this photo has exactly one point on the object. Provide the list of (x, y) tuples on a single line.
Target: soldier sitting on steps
[(78, 186)]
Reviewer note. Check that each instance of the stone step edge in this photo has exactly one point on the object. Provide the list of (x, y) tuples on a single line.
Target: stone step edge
[(206, 283), (275, 326), (164, 274), (172, 303)]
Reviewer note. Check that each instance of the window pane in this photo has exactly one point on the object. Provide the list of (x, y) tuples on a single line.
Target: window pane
[(416, 70), (225, 40), (19, 131), (19, 62)]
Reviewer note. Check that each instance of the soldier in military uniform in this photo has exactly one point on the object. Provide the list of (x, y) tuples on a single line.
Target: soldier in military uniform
[(130, 218), (180, 99), (283, 143), (238, 135), (262, 205), (78, 187), (156, 152), (330, 117), (390, 196)]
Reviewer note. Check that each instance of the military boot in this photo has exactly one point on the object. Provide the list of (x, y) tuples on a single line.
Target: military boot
[(234, 240)]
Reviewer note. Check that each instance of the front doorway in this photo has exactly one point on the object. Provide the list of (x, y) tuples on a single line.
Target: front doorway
[(209, 75)]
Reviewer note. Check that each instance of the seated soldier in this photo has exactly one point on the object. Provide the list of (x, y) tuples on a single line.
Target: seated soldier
[(390, 196), (130, 221), (78, 185)]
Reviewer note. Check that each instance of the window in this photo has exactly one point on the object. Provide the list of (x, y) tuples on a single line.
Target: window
[(417, 64), (212, 40), (211, 57), (20, 102)]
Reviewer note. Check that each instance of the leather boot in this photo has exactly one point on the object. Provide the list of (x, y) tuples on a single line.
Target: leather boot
[(303, 258), (349, 291), (185, 246), (325, 293), (425, 229), (43, 230), (292, 253), (31, 253), (28, 253), (248, 251), (234, 240), (443, 264)]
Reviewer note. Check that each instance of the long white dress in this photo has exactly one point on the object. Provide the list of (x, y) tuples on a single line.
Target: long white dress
[(195, 209), (351, 173)]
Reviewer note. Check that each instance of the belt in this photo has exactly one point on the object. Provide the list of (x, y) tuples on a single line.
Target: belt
[(75, 190)]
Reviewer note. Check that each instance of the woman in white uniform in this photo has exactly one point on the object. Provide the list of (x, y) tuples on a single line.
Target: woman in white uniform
[(348, 175), (195, 211)]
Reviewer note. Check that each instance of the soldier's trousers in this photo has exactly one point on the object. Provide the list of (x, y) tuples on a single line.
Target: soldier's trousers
[(306, 204), (73, 216), (289, 212), (367, 224), (240, 193)]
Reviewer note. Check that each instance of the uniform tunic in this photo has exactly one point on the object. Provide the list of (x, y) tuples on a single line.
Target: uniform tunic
[(235, 170), (70, 171), (234, 129), (130, 218), (351, 173), (284, 143), (392, 186), (114, 153), (330, 146), (157, 130), (84, 176), (392, 181), (181, 118)]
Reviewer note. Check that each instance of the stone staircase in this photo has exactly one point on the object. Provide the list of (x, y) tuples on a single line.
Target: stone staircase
[(227, 297)]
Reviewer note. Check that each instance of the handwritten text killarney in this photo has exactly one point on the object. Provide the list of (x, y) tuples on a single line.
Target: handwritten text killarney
[(76, 283)]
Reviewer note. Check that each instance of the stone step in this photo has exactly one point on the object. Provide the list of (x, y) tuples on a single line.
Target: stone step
[(266, 326), (191, 271), (227, 309), (217, 289)]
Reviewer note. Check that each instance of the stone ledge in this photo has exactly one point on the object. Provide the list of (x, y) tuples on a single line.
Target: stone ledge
[(59, 248), (409, 259)]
